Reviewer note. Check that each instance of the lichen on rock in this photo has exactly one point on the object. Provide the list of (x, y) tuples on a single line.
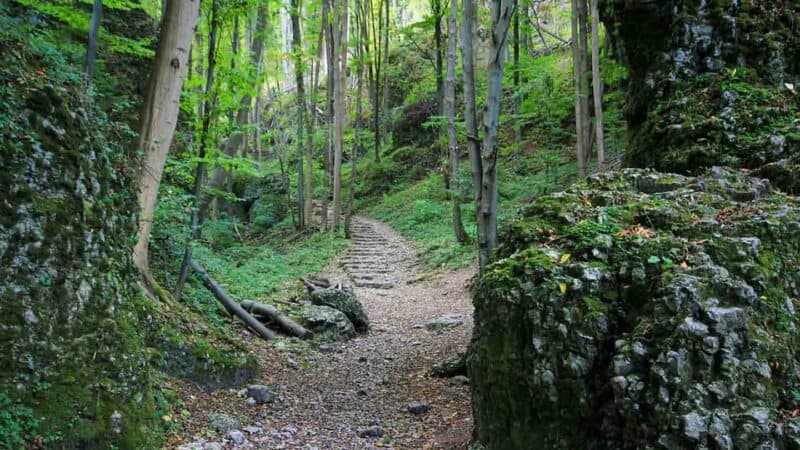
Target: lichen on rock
[(642, 310)]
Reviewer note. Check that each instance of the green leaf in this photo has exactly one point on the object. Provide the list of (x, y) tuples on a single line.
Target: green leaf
[(654, 259)]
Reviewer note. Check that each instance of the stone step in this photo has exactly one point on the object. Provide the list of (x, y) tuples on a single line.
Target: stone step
[(368, 267), (373, 284)]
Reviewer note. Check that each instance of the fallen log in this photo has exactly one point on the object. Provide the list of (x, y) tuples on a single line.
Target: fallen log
[(288, 325), (313, 284), (231, 305)]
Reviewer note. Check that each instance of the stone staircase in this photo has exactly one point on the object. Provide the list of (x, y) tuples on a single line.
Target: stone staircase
[(370, 263)]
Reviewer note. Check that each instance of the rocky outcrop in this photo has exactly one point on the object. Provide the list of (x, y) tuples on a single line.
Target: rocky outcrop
[(345, 301), (73, 351), (327, 324), (642, 310), (80, 342), (711, 83)]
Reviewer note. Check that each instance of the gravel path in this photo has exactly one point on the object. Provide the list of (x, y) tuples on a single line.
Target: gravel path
[(356, 395)]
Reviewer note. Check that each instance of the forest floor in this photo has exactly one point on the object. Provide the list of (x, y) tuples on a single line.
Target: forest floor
[(356, 394)]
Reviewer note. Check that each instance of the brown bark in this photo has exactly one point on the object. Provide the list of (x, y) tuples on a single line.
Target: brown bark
[(285, 323), (160, 112), (300, 104), (597, 85), (340, 33)]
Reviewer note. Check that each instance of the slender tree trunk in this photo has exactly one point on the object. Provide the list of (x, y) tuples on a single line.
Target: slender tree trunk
[(160, 112), (597, 84), (450, 112), (91, 48), (235, 50), (522, 10), (516, 78), (340, 113), (311, 122), (470, 108), (583, 35), (578, 79), (377, 36), (437, 10), (385, 88), (487, 214), (360, 31), (297, 50), (329, 99), (200, 171)]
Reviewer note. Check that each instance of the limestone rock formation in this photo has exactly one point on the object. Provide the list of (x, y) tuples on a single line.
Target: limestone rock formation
[(711, 83), (642, 310)]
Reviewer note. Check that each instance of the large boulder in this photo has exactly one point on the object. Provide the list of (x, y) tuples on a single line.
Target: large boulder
[(346, 302), (711, 83), (327, 324), (642, 310)]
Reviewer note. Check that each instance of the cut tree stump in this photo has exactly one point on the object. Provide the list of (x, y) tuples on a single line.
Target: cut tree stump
[(231, 305)]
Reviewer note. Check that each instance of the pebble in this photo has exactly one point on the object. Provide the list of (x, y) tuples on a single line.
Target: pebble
[(237, 437), (418, 408), (374, 431), (459, 380), (261, 394)]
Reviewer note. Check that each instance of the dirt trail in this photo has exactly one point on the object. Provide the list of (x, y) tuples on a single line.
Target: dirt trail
[(335, 397)]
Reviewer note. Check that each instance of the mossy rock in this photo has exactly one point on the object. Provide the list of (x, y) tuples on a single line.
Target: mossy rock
[(346, 302), (642, 310), (710, 83), (76, 353)]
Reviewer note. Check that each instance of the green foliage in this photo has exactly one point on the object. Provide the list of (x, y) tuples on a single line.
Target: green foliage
[(17, 424), (259, 272), (78, 20)]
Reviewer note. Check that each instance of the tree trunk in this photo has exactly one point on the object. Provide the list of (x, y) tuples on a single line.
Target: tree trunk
[(516, 78), (360, 29), (377, 34), (470, 108), (583, 28), (437, 10), (450, 112), (160, 112), (597, 85), (310, 125), (487, 214), (326, 157), (91, 48), (340, 33), (300, 101), (385, 88), (235, 50), (577, 74), (200, 171), (228, 302), (288, 325)]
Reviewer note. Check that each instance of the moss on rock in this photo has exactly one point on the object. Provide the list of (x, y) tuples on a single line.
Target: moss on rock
[(708, 83), (81, 345), (642, 310)]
